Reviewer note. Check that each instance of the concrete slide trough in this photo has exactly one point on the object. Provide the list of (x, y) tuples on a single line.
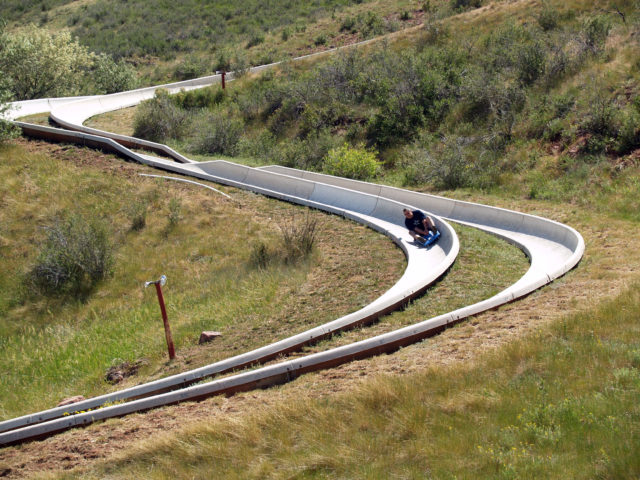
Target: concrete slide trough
[(423, 266), (553, 249)]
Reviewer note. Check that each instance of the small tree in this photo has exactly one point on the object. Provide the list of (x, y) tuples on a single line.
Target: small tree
[(42, 64), (37, 64)]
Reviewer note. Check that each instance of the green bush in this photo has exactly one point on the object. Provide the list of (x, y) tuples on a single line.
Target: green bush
[(256, 39), (595, 31), (601, 116), (345, 161), (455, 162), (217, 132), (320, 40), (199, 98), (7, 130), (111, 77), (75, 256), (348, 25), (191, 67), (629, 133), (308, 153), (465, 4), (159, 118), (40, 64), (530, 62)]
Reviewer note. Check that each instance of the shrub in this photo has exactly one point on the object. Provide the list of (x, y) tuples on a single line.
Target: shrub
[(348, 25), (299, 235), (601, 116), (199, 98), (256, 39), (595, 31), (41, 64), (75, 256), (175, 207), (464, 4), (320, 40), (371, 24), (452, 164), (7, 130), (308, 153), (547, 18), (159, 118), (217, 132), (530, 62), (629, 133), (359, 163), (137, 213), (190, 67), (111, 77), (260, 147)]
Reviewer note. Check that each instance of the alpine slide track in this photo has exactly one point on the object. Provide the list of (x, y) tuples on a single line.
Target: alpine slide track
[(552, 248)]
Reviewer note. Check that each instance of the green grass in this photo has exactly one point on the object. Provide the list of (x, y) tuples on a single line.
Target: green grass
[(54, 347), (57, 347), (560, 403), (172, 42)]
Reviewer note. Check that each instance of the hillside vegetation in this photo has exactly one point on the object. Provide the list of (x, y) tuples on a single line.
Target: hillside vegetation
[(543, 105), (530, 105), (191, 38)]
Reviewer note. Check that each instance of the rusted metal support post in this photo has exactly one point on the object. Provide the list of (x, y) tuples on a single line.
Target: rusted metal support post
[(165, 319), (222, 75)]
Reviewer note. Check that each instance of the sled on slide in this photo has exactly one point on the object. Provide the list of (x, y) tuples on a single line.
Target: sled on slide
[(428, 240)]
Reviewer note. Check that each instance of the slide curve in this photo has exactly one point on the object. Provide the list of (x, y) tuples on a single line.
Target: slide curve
[(553, 249)]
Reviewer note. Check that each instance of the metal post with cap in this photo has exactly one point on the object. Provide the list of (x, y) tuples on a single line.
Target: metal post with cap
[(222, 74), (167, 329)]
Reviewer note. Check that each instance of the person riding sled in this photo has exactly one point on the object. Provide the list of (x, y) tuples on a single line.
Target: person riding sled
[(421, 226)]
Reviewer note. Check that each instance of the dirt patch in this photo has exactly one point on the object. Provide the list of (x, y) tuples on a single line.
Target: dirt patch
[(611, 262), (118, 373), (84, 157)]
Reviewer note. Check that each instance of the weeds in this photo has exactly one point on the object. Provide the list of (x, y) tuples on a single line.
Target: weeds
[(298, 236), (175, 209)]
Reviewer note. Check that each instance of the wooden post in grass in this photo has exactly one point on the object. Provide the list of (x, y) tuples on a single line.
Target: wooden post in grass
[(165, 319)]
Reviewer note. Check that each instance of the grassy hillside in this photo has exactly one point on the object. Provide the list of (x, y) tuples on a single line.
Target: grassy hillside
[(186, 39), (558, 404), (533, 100), (527, 105), (62, 342)]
